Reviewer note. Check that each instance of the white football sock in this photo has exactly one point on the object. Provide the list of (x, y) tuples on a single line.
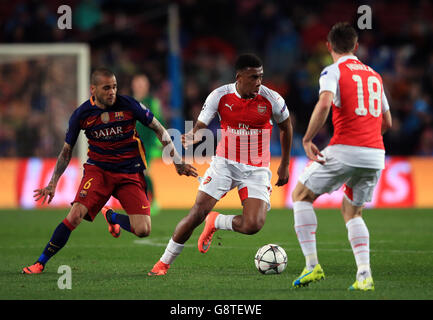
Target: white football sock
[(359, 239), (305, 227), (224, 222), (171, 252)]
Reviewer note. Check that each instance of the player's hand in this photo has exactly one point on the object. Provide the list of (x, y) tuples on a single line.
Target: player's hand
[(186, 169), (188, 139), (312, 152), (283, 175), (47, 192)]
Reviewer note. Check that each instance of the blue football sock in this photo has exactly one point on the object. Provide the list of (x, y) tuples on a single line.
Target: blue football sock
[(58, 240), (122, 220)]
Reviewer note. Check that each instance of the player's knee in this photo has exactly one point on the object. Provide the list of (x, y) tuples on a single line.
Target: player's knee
[(76, 214), (350, 211), (302, 193), (142, 232), (252, 227), (140, 225), (296, 195)]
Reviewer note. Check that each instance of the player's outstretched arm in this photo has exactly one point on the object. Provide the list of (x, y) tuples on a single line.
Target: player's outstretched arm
[(182, 168), (61, 165), (317, 120), (286, 134), (193, 136)]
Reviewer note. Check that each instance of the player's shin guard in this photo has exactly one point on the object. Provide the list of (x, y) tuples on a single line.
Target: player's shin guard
[(58, 240), (359, 239), (305, 227)]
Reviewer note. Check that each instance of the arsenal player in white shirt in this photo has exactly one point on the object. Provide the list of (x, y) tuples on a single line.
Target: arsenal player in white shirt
[(354, 157), (246, 109)]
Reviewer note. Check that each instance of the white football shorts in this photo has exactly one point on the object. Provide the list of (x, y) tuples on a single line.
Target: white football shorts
[(224, 175), (329, 177)]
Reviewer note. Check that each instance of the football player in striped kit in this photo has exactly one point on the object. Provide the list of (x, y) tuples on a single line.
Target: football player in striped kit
[(114, 166)]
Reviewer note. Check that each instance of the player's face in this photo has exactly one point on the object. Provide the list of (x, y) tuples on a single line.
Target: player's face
[(140, 86), (105, 91), (249, 82)]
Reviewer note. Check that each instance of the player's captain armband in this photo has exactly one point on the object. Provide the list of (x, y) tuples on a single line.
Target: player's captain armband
[(142, 114)]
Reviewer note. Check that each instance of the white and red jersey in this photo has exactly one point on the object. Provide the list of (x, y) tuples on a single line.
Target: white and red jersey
[(357, 108), (246, 124)]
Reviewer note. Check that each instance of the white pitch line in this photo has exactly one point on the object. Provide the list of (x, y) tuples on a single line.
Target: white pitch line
[(157, 243), (162, 242)]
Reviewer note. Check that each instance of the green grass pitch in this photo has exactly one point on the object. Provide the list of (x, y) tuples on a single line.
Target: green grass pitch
[(107, 268)]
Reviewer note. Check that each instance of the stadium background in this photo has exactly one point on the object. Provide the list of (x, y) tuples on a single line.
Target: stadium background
[(130, 37)]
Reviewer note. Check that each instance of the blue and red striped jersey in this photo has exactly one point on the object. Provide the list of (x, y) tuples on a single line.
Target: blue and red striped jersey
[(114, 144)]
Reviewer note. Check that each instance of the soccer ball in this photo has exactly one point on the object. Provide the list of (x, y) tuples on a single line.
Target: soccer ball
[(271, 259)]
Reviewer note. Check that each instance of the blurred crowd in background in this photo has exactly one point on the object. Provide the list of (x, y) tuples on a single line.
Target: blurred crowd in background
[(130, 37)]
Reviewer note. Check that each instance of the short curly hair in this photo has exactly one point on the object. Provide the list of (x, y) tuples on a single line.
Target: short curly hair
[(247, 60)]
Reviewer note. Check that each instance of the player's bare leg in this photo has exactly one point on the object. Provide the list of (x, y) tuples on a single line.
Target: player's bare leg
[(141, 225), (359, 239), (349, 211), (76, 214), (138, 224), (204, 203), (250, 222), (253, 216), (305, 226)]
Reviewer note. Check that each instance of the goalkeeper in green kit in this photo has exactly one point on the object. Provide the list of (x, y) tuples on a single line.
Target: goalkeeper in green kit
[(140, 86)]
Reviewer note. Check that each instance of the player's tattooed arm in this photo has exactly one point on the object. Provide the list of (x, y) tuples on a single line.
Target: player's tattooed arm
[(169, 150), (165, 140), (61, 165)]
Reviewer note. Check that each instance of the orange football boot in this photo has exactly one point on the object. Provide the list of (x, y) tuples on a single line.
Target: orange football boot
[(159, 269), (209, 229), (34, 268), (114, 229)]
